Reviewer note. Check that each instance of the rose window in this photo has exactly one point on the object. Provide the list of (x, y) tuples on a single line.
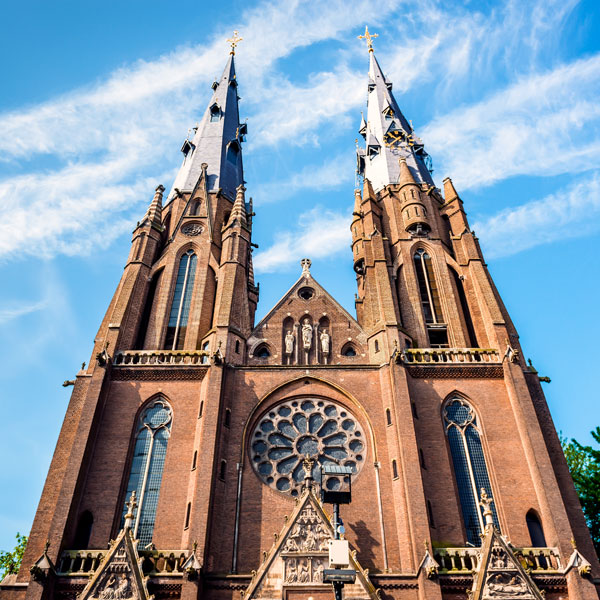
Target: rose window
[(290, 431)]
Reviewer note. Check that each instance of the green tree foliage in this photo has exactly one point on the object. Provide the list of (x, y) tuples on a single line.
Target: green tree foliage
[(584, 464), (11, 561)]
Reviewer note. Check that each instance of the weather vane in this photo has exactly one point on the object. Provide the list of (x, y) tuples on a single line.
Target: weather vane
[(234, 41), (369, 37)]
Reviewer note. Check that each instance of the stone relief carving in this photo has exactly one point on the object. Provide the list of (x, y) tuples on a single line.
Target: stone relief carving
[(192, 229), (304, 570), (308, 534), (503, 579), (116, 582)]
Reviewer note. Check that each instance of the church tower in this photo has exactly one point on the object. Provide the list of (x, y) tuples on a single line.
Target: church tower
[(192, 453)]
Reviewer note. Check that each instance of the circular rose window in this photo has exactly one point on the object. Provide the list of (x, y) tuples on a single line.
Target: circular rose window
[(321, 429)]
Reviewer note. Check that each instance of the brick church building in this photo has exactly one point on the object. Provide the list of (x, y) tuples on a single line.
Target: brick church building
[(189, 462)]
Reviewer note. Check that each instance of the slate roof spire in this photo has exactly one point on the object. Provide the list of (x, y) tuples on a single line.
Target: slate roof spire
[(388, 135), (217, 140)]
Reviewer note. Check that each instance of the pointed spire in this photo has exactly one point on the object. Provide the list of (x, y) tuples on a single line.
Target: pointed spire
[(217, 140), (154, 213), (388, 135), (357, 202)]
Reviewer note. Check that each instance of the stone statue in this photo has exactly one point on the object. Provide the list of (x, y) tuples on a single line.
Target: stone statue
[(304, 575), (325, 342), (307, 334), (289, 343), (486, 503)]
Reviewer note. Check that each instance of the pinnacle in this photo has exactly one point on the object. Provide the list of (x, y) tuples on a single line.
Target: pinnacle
[(238, 213), (155, 209), (450, 192), (406, 175)]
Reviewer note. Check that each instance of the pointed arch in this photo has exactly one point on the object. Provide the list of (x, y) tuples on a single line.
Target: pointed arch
[(182, 299), (147, 312), (468, 459), (150, 438), (536, 531), (471, 337)]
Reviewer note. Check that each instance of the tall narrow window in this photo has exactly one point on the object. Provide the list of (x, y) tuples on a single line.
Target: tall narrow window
[(469, 465), (430, 300), (394, 469), (536, 532), (182, 298), (152, 436)]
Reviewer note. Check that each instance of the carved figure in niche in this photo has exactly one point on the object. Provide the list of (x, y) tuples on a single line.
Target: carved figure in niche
[(499, 559), (322, 536), (307, 334), (318, 572), (292, 571), (289, 343), (498, 586), (123, 589), (325, 342), (310, 543), (304, 574), (109, 589), (293, 543)]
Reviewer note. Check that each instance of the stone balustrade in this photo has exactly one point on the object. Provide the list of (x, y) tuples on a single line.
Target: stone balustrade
[(160, 357), (155, 563), (455, 561), (432, 356)]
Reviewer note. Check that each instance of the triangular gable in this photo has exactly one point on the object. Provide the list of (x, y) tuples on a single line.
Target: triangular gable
[(119, 576), (305, 279), (296, 561), (500, 575)]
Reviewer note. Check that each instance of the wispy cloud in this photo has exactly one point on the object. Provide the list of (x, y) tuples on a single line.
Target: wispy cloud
[(112, 138), (570, 212), (545, 124), (9, 313), (321, 233), (335, 172)]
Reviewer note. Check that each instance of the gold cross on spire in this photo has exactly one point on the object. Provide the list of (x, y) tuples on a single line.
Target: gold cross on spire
[(369, 37), (234, 41)]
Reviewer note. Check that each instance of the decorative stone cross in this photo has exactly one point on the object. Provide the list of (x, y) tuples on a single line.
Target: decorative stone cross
[(234, 41), (369, 37), (306, 262)]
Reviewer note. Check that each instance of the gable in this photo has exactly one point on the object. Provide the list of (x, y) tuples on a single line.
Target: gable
[(307, 327), (119, 576), (500, 574), (294, 565)]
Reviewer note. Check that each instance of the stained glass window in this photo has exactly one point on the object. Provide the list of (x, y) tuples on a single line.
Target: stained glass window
[(182, 299), (152, 437), (470, 469)]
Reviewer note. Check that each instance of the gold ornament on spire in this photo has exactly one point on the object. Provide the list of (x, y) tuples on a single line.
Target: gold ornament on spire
[(369, 37), (234, 41)]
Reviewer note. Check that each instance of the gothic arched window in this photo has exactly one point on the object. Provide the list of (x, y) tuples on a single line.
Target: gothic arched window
[(430, 300), (470, 469), (182, 298), (152, 436)]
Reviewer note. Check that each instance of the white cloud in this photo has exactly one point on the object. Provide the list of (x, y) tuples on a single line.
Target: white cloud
[(334, 173), (571, 212), (321, 233), (9, 313), (545, 124), (111, 138)]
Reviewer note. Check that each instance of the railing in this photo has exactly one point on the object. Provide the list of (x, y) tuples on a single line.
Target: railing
[(161, 357), (455, 561), (413, 356), (82, 563)]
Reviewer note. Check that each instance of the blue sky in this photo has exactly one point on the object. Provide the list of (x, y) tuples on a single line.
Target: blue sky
[(98, 97)]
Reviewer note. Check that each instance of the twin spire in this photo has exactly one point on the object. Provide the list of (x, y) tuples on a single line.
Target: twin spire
[(217, 140), (388, 136)]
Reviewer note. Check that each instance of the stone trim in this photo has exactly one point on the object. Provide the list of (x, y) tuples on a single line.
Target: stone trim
[(158, 374), (444, 372)]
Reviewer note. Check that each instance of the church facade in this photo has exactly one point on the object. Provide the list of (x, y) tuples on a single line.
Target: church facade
[(189, 461)]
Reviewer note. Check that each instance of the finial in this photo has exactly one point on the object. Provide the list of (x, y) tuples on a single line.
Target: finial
[(369, 37), (486, 503), (131, 505), (47, 545), (234, 41), (306, 262)]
